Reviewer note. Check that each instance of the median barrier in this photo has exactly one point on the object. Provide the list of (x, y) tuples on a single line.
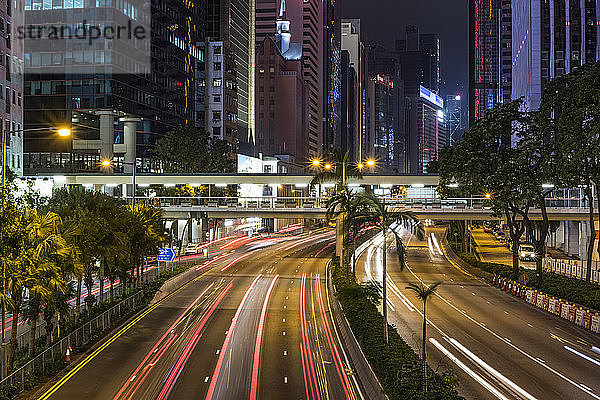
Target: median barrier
[(579, 316), (595, 323), (587, 319), (564, 310), (551, 306), (572, 313)]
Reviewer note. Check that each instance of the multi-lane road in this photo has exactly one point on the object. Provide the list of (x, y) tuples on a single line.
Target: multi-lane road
[(501, 347), (254, 323)]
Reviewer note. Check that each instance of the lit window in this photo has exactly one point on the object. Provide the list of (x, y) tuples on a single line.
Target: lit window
[(217, 82)]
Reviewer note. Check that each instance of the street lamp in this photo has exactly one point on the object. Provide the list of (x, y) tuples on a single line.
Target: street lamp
[(327, 166), (371, 163), (316, 162), (108, 163)]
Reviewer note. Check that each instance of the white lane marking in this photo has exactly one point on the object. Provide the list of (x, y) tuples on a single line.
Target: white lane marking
[(285, 352), (206, 379), (596, 349), (285, 379), (391, 305), (394, 289), (582, 385), (283, 333), (540, 360), (436, 244), (518, 349), (473, 293), (218, 351), (590, 359), (491, 370), (507, 339), (529, 325), (283, 319), (506, 312), (468, 370)]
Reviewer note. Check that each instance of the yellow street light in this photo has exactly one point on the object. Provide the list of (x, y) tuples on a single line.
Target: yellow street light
[(327, 166), (371, 163), (360, 165), (316, 162), (488, 195), (106, 163), (64, 132)]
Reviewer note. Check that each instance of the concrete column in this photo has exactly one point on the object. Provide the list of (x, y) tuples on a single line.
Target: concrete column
[(107, 134), (583, 239), (573, 248), (130, 130)]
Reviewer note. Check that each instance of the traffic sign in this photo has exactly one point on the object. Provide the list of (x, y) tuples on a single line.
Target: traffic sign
[(166, 254)]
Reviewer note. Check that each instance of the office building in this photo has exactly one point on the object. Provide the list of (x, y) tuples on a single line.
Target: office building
[(425, 129), (281, 96), (454, 118), (306, 19), (389, 144), (11, 88), (90, 85), (418, 56), (352, 43), (331, 74), (232, 21), (490, 53), (551, 39), (350, 113)]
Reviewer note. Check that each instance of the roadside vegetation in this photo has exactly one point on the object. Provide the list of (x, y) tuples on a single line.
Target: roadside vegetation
[(53, 250), (517, 158), (562, 287)]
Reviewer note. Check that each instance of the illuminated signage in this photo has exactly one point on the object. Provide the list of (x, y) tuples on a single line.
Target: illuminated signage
[(431, 97)]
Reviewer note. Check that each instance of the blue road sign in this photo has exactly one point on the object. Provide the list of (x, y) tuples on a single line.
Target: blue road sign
[(167, 254)]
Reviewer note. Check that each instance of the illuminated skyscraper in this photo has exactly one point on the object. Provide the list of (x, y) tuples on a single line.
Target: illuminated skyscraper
[(551, 39), (490, 55), (306, 19)]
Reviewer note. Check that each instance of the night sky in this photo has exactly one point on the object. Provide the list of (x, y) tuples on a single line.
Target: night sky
[(384, 20)]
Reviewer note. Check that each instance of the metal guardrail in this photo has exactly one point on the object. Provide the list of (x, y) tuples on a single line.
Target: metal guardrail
[(83, 335)]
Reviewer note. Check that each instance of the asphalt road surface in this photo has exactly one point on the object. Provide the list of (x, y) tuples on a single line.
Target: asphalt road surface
[(255, 323), (501, 347)]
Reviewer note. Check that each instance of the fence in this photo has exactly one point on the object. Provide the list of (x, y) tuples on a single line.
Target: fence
[(572, 268), (16, 381)]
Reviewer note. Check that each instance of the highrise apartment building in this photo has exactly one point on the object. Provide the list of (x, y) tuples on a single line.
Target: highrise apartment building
[(551, 39), (490, 53), (232, 21), (306, 19)]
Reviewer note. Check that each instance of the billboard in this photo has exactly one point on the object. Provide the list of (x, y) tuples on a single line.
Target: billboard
[(431, 97)]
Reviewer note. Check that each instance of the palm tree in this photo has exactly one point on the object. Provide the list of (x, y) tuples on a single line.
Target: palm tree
[(146, 231), (33, 266), (423, 292), (383, 219), (354, 214)]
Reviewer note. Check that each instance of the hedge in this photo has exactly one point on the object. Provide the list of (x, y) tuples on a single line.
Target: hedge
[(396, 365)]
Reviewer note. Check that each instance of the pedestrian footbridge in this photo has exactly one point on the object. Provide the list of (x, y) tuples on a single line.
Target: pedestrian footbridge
[(315, 208)]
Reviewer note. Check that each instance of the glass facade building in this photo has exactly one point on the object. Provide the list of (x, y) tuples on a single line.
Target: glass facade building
[(145, 70)]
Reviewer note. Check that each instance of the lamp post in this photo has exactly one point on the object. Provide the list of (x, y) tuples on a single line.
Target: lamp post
[(62, 132)]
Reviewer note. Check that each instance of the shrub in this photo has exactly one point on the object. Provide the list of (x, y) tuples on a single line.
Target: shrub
[(396, 365)]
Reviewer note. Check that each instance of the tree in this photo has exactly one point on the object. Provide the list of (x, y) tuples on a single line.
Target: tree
[(383, 218), (485, 161), (188, 149), (32, 268), (571, 104), (93, 216), (354, 215), (145, 231), (423, 292)]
